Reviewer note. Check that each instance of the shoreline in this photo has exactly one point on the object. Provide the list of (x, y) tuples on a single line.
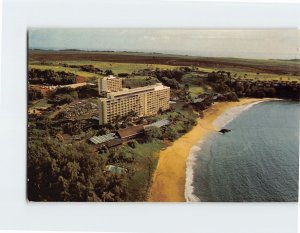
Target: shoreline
[(169, 179)]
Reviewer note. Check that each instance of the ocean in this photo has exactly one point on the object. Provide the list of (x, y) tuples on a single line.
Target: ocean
[(256, 162)]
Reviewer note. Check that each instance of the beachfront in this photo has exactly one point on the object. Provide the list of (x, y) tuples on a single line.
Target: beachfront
[(170, 175)]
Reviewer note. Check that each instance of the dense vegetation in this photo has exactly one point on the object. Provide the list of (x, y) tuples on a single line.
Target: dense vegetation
[(222, 82), (139, 81), (34, 94), (50, 77), (59, 172), (76, 171)]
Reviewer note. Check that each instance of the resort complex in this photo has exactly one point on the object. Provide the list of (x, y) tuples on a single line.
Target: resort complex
[(101, 128), (142, 101)]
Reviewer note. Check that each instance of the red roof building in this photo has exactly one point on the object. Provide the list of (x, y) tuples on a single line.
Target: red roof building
[(131, 132)]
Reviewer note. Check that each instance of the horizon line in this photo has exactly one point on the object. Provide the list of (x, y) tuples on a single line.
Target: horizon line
[(161, 53)]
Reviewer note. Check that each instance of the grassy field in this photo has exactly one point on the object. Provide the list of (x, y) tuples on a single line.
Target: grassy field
[(148, 156), (129, 68), (145, 161), (37, 106), (196, 90), (242, 68), (42, 103), (265, 76), (281, 67), (58, 68), (139, 81), (128, 62), (117, 68)]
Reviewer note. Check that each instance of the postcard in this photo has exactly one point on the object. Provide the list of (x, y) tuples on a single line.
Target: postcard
[(163, 115)]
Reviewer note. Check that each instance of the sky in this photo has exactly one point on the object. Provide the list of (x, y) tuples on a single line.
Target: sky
[(262, 43)]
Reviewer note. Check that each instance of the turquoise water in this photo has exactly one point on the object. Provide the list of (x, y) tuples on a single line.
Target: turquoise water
[(257, 161)]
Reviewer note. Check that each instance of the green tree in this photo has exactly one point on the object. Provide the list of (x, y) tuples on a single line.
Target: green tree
[(34, 94), (108, 72), (133, 144), (152, 133), (59, 172), (170, 133)]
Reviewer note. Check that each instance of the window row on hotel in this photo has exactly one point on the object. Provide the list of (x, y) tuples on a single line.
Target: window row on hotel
[(144, 101)]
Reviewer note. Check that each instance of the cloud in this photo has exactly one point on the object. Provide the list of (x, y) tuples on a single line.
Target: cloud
[(259, 43)]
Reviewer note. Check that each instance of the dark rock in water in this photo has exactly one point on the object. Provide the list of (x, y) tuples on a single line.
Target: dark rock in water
[(223, 131)]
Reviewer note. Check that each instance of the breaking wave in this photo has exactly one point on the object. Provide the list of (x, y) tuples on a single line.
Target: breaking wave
[(220, 122), (191, 161), (232, 113)]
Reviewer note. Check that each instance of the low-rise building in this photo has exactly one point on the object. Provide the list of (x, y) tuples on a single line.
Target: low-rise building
[(130, 132), (113, 143), (158, 124), (115, 169), (103, 138)]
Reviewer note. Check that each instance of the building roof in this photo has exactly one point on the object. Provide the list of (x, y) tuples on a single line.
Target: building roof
[(159, 123), (131, 131), (109, 77), (114, 142), (104, 138), (198, 100), (114, 169), (124, 92)]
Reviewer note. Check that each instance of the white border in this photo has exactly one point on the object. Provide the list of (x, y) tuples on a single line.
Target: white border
[(17, 214)]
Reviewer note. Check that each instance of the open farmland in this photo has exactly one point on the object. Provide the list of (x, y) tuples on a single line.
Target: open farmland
[(131, 64), (279, 67), (116, 67)]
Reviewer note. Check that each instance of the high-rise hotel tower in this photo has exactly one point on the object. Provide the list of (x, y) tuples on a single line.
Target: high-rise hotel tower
[(144, 101), (109, 84)]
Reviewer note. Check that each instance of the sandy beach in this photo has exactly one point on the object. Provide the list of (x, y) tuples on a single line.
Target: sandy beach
[(170, 175)]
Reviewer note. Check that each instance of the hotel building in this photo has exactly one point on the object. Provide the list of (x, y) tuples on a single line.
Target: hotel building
[(109, 84), (144, 101)]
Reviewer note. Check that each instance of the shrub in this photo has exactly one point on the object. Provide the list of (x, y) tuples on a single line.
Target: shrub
[(152, 133)]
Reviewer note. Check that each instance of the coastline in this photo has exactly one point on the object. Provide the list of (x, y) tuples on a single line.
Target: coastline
[(169, 179)]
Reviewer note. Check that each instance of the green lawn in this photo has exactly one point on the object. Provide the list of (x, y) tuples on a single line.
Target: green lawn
[(265, 76), (139, 81), (145, 162), (41, 104), (118, 67), (148, 156), (115, 67), (196, 90), (129, 67)]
